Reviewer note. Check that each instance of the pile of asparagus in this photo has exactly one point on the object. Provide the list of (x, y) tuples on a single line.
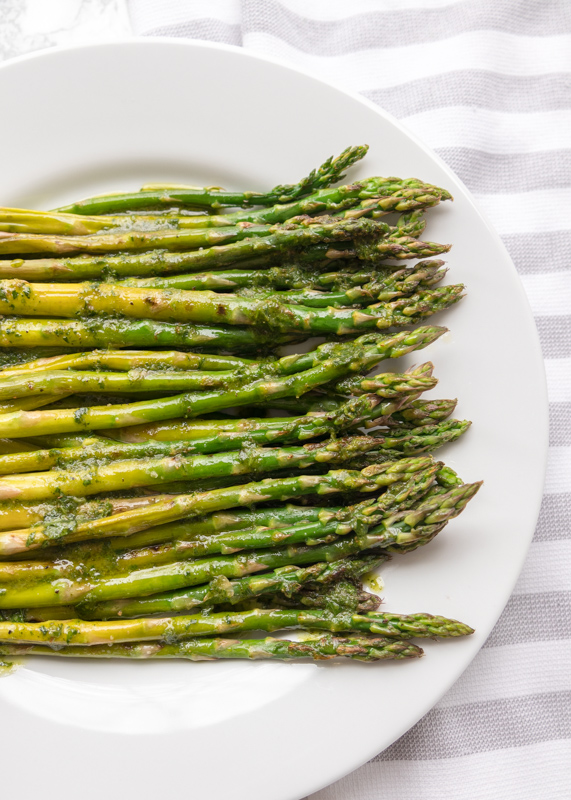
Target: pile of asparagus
[(152, 504)]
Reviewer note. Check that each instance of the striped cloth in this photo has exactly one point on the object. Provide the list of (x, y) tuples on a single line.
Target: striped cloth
[(486, 83)]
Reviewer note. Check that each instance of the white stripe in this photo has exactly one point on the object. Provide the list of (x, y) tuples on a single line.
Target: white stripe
[(546, 569), (379, 68), (535, 772), (492, 131), (528, 212), (146, 16), (514, 670), (558, 374), (549, 293), (558, 478)]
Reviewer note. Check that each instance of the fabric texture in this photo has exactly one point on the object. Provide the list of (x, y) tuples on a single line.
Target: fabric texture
[(487, 84)]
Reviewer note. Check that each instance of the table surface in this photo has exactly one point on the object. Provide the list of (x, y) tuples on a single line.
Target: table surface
[(27, 25)]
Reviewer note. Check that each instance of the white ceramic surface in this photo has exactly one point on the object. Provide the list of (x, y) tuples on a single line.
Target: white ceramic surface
[(111, 117)]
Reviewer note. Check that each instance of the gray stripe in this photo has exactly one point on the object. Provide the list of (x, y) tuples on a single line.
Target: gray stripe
[(211, 30), (533, 618), (555, 336), (478, 88), (539, 252), (481, 727), (554, 521), (391, 29), (405, 27), (522, 172), (560, 424)]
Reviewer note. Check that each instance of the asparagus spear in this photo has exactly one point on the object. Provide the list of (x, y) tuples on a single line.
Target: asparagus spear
[(404, 530), (29, 403), (360, 648), (66, 513), (173, 629), (15, 331), (329, 172), (390, 384), (344, 595), (384, 284), (125, 360), (57, 382), (401, 283), (260, 285), (17, 514), (197, 504)]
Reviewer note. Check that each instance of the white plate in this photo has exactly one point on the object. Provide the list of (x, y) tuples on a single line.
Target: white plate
[(111, 117)]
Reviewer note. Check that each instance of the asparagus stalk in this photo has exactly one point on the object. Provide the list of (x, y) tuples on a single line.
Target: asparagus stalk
[(15, 331), (198, 504), (390, 384), (173, 629), (339, 239), (113, 549), (126, 360), (29, 403), (57, 382), (17, 514), (329, 172), (384, 284), (326, 647), (22, 384), (376, 196), (404, 530), (425, 437)]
